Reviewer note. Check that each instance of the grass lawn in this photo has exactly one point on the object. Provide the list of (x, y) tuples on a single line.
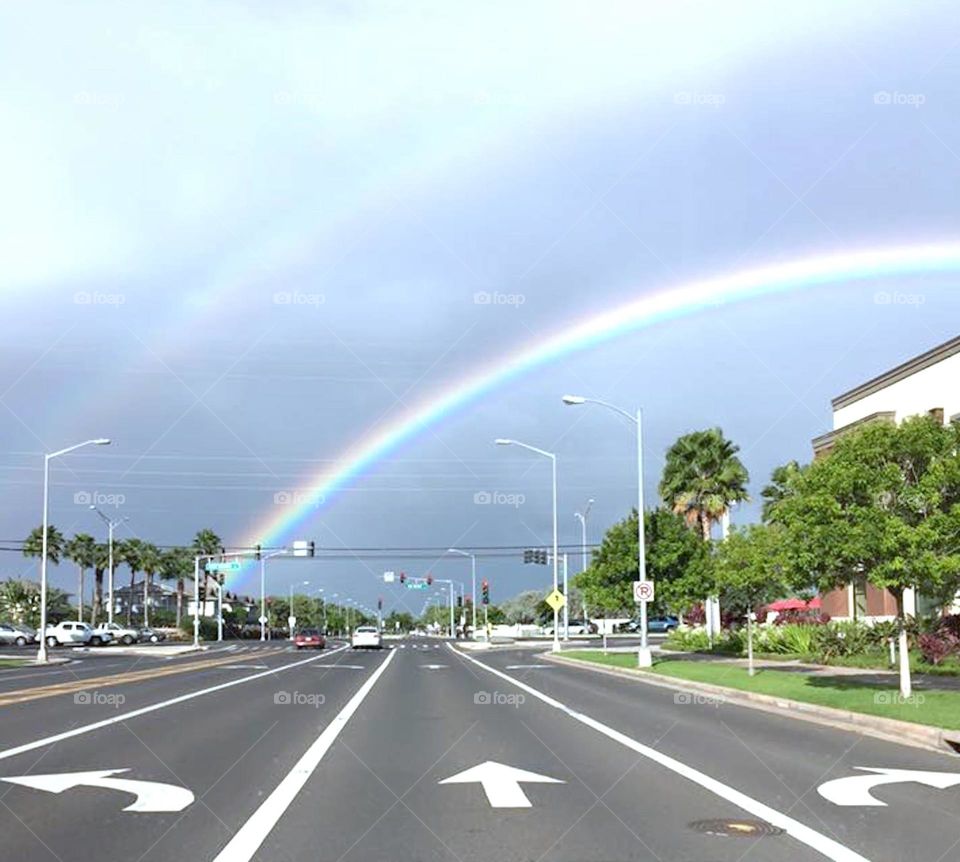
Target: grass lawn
[(12, 662), (935, 708)]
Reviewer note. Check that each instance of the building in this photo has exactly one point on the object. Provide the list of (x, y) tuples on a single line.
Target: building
[(925, 384), (162, 598)]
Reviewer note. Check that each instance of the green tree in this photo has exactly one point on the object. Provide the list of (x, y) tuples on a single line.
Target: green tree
[(151, 561), (33, 544), (82, 550), (130, 551), (207, 543), (883, 506), (702, 477), (101, 562), (782, 484), (676, 559), (20, 603), (176, 564), (750, 571)]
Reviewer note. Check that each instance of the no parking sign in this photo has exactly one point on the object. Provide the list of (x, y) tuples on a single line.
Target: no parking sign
[(643, 591)]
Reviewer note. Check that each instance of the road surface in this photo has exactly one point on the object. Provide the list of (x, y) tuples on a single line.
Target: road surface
[(422, 752)]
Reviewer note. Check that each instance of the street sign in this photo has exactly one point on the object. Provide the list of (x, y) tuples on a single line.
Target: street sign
[(230, 566), (855, 789), (151, 795), (263, 621), (388, 577), (556, 600), (416, 585), (501, 783), (643, 591), (291, 622)]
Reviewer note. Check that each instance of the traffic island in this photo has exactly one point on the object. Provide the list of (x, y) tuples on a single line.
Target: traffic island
[(930, 718)]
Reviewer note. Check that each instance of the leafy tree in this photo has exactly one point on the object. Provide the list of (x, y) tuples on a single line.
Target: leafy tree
[(750, 572), (101, 561), (782, 483), (527, 608), (130, 551), (20, 602), (676, 559), (884, 505), (33, 544), (207, 543), (82, 550), (702, 477)]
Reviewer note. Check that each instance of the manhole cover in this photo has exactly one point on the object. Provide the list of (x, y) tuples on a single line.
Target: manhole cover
[(736, 828)]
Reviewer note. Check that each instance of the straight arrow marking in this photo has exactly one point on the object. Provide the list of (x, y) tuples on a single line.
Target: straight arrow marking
[(501, 783)]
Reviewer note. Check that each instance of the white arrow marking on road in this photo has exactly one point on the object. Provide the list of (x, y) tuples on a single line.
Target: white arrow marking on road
[(151, 795), (501, 783), (855, 789)]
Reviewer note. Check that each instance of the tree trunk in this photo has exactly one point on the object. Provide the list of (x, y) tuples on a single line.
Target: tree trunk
[(79, 594), (133, 581), (97, 608), (906, 685), (147, 577), (179, 600)]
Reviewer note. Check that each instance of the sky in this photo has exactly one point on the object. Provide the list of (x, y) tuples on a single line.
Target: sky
[(244, 239)]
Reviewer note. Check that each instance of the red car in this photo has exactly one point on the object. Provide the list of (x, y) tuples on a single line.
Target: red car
[(309, 638)]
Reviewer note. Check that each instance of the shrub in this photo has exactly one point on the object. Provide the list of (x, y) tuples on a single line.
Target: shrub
[(843, 638), (936, 647)]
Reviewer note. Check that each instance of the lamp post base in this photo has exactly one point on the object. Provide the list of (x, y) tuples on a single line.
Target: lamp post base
[(644, 657)]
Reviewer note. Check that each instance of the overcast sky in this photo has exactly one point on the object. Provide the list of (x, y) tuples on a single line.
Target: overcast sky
[(239, 237)]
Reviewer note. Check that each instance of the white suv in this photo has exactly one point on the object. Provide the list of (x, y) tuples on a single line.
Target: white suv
[(366, 637), (67, 633)]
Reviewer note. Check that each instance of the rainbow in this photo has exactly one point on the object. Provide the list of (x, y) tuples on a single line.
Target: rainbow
[(669, 303)]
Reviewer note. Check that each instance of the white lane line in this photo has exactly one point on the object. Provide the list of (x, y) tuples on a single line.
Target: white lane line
[(342, 666), (247, 840), (525, 666), (804, 834), (134, 713), (244, 667)]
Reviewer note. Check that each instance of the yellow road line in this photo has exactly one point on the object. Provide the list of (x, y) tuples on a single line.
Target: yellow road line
[(71, 686)]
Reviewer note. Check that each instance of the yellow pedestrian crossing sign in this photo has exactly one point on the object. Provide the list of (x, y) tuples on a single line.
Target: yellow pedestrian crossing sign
[(556, 600)]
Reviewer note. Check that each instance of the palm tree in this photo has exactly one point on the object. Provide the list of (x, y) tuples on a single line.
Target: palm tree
[(206, 543), (82, 549), (702, 477), (150, 560), (33, 544), (177, 564), (781, 486), (101, 561), (130, 551)]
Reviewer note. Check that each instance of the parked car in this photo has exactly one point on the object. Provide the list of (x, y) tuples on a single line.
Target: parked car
[(149, 635), (309, 638), (119, 633), (655, 625), (69, 632), (366, 637), (576, 627), (16, 635)]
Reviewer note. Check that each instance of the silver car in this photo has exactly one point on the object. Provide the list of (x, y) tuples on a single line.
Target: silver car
[(16, 635)]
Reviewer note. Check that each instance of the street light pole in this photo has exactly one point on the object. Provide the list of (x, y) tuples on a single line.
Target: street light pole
[(100, 441), (644, 658), (111, 524), (582, 517), (553, 464)]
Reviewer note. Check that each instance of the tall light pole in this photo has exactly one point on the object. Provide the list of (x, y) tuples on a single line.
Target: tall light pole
[(473, 584), (99, 441), (111, 525), (553, 462), (582, 517), (290, 615), (644, 658)]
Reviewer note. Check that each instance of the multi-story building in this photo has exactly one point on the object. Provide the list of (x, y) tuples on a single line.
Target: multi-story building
[(928, 383)]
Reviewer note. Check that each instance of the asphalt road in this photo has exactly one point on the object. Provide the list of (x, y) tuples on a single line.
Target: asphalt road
[(274, 755)]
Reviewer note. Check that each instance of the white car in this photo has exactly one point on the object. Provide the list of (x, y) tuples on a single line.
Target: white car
[(67, 632), (119, 633), (366, 637)]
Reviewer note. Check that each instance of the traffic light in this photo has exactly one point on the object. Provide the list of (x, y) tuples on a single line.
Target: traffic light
[(429, 580), (485, 591), (541, 558), (459, 601), (311, 548), (528, 556), (256, 551), (380, 604), (403, 578)]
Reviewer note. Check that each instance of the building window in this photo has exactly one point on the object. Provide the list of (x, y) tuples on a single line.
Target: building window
[(859, 598)]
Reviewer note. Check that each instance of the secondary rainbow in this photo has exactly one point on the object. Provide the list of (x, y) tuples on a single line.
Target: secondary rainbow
[(671, 302)]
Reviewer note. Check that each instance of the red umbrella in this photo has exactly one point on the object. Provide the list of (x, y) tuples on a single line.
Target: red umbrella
[(788, 605)]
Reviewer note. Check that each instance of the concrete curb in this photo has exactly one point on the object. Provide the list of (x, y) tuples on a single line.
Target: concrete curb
[(906, 733)]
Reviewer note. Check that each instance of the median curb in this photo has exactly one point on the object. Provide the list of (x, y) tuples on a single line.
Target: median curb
[(890, 729)]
